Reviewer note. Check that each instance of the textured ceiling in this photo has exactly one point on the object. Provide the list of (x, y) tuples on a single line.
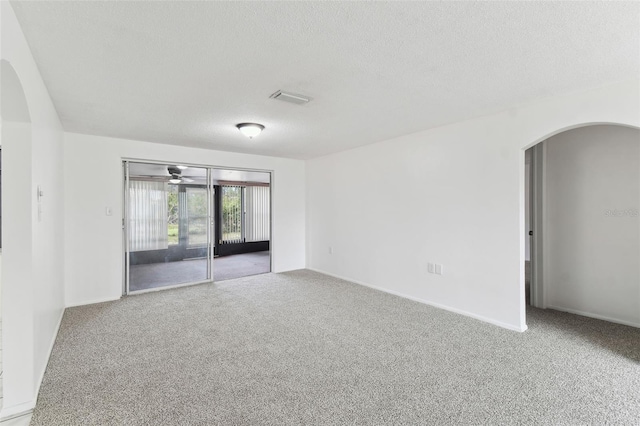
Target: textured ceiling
[(185, 73)]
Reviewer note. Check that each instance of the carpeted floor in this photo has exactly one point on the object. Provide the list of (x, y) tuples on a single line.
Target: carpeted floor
[(304, 348)]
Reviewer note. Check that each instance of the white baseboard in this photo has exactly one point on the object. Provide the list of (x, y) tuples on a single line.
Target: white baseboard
[(596, 316), (93, 302), (17, 410), (426, 302)]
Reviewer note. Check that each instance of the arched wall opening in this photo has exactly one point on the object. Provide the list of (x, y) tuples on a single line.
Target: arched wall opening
[(582, 191), (16, 286), (13, 102)]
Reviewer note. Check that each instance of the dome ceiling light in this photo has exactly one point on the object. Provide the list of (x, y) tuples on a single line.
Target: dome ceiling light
[(250, 130)]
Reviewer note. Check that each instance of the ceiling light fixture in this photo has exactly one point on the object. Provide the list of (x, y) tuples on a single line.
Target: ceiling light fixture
[(250, 130), (182, 167)]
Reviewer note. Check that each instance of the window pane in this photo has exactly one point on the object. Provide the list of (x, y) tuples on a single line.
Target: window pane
[(197, 216), (232, 214), (173, 224)]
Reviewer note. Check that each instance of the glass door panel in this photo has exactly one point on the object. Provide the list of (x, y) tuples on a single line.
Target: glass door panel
[(243, 223), (167, 235)]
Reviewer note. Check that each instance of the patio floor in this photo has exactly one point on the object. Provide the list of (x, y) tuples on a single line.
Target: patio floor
[(153, 275)]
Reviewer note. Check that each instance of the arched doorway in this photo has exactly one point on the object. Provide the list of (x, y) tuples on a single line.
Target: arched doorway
[(582, 185)]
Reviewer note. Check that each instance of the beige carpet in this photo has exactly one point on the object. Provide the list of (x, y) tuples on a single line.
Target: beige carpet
[(303, 348)]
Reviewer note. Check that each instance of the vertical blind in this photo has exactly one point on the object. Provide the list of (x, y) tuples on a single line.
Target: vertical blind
[(148, 215), (257, 218), (245, 213)]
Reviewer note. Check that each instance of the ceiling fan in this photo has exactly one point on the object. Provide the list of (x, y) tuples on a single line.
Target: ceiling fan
[(173, 175), (176, 177)]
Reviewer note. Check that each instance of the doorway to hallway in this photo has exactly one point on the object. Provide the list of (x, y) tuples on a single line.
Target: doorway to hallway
[(582, 191)]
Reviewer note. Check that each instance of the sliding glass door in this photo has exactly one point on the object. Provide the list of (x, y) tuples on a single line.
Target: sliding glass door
[(187, 225), (168, 233)]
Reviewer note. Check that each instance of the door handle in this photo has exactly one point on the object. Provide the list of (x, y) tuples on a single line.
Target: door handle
[(531, 233)]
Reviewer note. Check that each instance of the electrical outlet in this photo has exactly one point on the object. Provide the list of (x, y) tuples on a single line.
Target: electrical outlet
[(330, 250), (438, 269), (431, 268)]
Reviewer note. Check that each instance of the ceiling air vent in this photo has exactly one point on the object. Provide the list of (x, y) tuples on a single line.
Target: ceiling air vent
[(294, 98)]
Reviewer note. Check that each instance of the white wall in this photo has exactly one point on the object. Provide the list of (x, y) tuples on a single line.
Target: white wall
[(93, 180), (18, 292), (453, 195), (33, 268), (592, 228)]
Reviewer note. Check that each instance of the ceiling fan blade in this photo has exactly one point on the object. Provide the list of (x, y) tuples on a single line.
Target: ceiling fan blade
[(151, 177)]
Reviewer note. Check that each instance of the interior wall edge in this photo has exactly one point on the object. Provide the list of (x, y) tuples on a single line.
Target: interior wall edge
[(37, 295)]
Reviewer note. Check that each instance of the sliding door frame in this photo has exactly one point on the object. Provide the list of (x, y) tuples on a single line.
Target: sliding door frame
[(211, 229), (125, 228), (212, 233)]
